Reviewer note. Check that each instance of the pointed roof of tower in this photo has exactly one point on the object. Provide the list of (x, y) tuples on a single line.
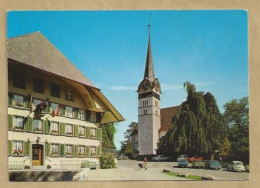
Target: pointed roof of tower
[(149, 72)]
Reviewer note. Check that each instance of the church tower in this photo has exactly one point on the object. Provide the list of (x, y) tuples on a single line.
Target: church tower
[(149, 120)]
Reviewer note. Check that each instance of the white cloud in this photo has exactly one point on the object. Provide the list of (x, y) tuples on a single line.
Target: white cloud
[(122, 88)]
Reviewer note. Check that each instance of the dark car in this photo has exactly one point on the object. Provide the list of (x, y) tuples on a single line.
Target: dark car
[(183, 163), (198, 164), (212, 164)]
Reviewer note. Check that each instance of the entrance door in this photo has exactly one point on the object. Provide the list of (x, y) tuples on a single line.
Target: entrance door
[(37, 153)]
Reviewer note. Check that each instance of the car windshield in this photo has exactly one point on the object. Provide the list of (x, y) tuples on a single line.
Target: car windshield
[(214, 161), (238, 163), (183, 160)]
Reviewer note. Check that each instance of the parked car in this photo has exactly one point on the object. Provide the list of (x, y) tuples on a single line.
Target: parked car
[(161, 158), (212, 164), (198, 164), (183, 163), (182, 157), (195, 158), (236, 166)]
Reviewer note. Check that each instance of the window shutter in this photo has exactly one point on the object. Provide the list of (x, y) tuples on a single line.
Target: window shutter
[(76, 150), (62, 128), (10, 122), (30, 124), (10, 147), (47, 148), (10, 101), (87, 132), (75, 113), (27, 104), (98, 151), (26, 150), (88, 115), (62, 149), (87, 151), (76, 130), (46, 124), (43, 126), (47, 109), (62, 111), (99, 134)]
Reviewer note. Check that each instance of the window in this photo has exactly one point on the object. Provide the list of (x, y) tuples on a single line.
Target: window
[(93, 132), (93, 116), (88, 114), (68, 112), (54, 127), (17, 148), (68, 150), (19, 80), (55, 90), (37, 125), (69, 94), (18, 101), (54, 149), (36, 102), (69, 129), (18, 123), (81, 114), (93, 151), (54, 107), (38, 85), (81, 150), (81, 131)]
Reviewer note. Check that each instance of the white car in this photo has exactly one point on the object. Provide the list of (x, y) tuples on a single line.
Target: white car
[(160, 158), (236, 166)]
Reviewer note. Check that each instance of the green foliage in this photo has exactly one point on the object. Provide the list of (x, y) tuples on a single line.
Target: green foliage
[(85, 164), (48, 166), (236, 116), (108, 133), (107, 161), (197, 126), (225, 149), (126, 145), (27, 167)]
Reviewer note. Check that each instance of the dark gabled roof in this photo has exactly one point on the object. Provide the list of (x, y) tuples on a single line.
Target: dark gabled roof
[(166, 117), (36, 51)]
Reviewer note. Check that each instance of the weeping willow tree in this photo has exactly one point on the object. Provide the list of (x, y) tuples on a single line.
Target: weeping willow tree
[(197, 126), (108, 133)]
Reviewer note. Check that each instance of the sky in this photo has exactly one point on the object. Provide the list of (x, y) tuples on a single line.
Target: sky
[(208, 48)]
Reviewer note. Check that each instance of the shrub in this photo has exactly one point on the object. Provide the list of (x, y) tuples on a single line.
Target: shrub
[(107, 161), (48, 166), (84, 164), (27, 167)]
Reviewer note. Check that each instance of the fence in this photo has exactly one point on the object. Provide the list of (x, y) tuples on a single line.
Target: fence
[(74, 164), (109, 151), (16, 165)]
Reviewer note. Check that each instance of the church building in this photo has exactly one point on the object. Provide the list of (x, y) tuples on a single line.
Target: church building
[(153, 122)]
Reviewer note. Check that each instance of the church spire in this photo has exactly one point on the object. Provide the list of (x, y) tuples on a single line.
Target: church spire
[(149, 72)]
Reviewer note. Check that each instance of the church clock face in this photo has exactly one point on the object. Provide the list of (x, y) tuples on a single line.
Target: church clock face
[(145, 86)]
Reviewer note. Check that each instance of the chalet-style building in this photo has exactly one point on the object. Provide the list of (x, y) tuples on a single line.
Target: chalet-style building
[(54, 111), (153, 122)]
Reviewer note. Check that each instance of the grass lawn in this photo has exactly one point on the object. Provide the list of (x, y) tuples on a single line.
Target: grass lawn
[(191, 177)]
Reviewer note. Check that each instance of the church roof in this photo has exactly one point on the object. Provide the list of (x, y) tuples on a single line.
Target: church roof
[(36, 51), (166, 117), (149, 71)]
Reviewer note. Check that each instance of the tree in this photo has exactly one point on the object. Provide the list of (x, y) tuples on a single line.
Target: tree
[(197, 126), (236, 116), (108, 133), (126, 145), (225, 149)]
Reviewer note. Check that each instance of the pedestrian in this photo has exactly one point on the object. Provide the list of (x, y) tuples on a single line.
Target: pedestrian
[(145, 163)]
